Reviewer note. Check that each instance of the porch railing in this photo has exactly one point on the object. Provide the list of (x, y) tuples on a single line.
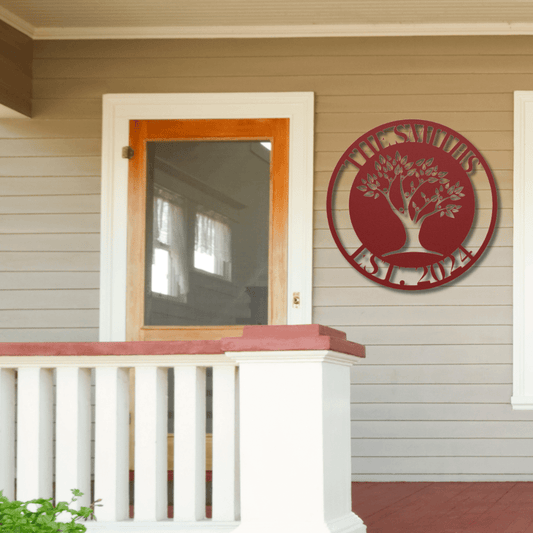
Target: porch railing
[(281, 430)]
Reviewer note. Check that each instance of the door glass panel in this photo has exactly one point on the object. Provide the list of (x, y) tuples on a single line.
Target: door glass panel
[(207, 233)]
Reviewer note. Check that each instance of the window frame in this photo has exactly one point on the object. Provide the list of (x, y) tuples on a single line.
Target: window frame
[(119, 109), (522, 398)]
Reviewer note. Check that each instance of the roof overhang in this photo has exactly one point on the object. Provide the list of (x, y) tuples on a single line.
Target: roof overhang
[(265, 31)]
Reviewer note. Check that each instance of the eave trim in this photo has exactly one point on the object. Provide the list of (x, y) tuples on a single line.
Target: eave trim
[(287, 31), (279, 31), (16, 22)]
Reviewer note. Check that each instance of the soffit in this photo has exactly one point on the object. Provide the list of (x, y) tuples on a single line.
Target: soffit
[(43, 17)]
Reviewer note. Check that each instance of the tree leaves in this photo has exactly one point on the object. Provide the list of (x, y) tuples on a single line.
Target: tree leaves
[(421, 173)]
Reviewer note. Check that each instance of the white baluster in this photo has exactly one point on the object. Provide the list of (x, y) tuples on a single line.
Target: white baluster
[(112, 443), (73, 434), (189, 443), (7, 432), (151, 428), (225, 475), (35, 433)]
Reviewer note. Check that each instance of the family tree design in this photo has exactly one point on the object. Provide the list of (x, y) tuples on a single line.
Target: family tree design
[(411, 177), (411, 204)]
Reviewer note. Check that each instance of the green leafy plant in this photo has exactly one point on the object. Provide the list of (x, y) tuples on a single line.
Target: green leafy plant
[(41, 516)]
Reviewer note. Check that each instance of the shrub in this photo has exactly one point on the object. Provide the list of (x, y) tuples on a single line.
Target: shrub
[(41, 516)]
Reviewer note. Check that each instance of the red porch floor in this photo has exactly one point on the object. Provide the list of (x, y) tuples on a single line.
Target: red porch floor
[(505, 507)]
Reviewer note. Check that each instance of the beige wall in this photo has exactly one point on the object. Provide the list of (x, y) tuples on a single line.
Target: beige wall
[(15, 69), (432, 400)]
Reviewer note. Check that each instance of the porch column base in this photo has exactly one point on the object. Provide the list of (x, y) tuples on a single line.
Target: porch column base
[(350, 523), (295, 442)]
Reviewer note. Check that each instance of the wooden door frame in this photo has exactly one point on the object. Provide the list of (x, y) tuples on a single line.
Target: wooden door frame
[(119, 109), (276, 131)]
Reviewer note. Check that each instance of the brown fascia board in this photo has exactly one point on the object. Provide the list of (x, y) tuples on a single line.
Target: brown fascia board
[(16, 57)]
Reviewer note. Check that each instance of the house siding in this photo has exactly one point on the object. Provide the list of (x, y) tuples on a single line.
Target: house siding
[(16, 69), (432, 399)]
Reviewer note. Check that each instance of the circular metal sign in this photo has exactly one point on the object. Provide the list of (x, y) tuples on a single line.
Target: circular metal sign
[(412, 204)]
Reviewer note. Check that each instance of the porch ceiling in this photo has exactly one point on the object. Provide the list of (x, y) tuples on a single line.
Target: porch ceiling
[(46, 19)]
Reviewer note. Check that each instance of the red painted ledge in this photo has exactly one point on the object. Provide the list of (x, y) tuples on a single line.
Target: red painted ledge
[(111, 348), (254, 338), (286, 338)]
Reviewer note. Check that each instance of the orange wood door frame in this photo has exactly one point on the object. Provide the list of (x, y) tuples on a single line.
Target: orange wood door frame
[(142, 131)]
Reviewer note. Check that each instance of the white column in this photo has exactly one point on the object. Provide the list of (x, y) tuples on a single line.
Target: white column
[(189, 443), (151, 428), (295, 442), (73, 434), (35, 433), (112, 443), (225, 463), (7, 432)]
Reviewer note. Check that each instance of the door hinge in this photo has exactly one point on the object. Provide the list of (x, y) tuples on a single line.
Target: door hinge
[(127, 152)]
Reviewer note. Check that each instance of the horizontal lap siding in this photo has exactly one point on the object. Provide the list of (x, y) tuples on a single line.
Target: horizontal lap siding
[(49, 227), (431, 401)]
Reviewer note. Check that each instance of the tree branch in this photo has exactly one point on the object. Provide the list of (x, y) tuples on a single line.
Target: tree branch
[(421, 182), (402, 192), (435, 211), (423, 207)]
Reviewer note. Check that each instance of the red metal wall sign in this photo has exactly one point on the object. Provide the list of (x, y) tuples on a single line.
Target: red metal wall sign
[(403, 207)]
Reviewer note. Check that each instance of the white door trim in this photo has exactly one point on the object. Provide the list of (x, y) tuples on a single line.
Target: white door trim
[(523, 252), (119, 109)]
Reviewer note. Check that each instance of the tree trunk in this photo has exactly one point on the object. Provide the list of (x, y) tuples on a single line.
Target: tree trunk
[(412, 238)]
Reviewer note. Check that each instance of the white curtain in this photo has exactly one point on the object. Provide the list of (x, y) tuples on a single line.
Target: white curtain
[(213, 237), (171, 231)]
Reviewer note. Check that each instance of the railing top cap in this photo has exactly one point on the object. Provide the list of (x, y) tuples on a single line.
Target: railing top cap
[(287, 338), (254, 338), (111, 348)]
